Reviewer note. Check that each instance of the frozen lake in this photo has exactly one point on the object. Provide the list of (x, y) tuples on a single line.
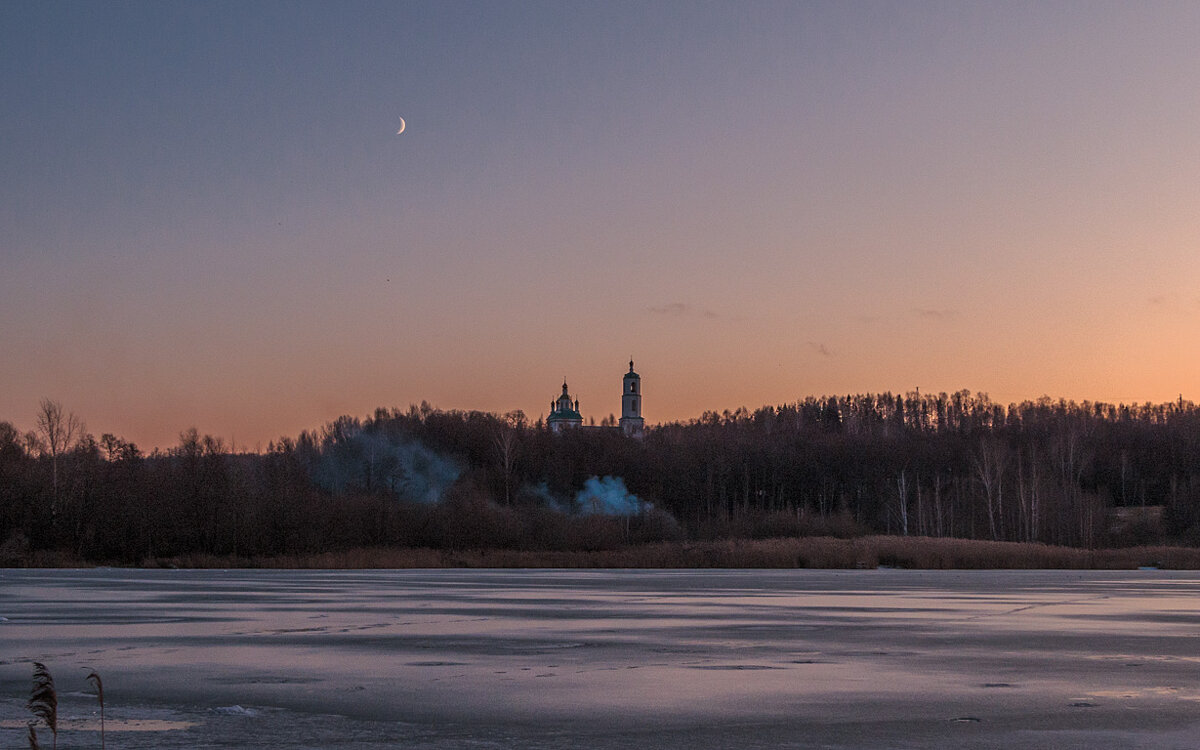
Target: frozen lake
[(609, 659)]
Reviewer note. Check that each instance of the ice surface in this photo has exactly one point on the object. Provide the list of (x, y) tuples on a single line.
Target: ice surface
[(609, 659)]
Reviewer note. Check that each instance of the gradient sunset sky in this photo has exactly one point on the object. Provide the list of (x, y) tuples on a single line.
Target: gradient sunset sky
[(208, 219)]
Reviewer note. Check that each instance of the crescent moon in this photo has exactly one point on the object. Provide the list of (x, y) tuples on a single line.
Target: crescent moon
[(401, 130)]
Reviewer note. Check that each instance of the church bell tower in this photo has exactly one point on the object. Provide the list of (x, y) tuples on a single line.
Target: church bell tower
[(632, 423)]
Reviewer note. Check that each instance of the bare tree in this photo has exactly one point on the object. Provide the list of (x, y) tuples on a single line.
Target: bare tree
[(58, 431), (938, 524), (1027, 494), (902, 500), (507, 447), (990, 464)]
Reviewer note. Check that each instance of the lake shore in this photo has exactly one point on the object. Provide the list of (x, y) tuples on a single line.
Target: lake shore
[(925, 553)]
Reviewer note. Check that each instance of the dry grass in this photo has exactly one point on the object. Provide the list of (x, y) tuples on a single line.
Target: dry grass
[(94, 678), (43, 703), (804, 552)]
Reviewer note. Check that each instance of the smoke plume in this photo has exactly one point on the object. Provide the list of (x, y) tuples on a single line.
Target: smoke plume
[(371, 461), (609, 497)]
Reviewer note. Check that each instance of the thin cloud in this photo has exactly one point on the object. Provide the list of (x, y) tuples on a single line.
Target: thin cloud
[(1172, 304), (930, 313), (675, 308), (682, 310)]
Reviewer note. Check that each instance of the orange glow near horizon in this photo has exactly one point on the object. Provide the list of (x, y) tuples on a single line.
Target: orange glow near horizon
[(805, 199), (677, 391)]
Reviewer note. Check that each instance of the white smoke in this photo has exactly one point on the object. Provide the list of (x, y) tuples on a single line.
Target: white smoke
[(608, 496), (541, 492), (371, 461)]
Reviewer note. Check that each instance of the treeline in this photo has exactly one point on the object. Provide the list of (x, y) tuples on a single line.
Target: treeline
[(956, 465)]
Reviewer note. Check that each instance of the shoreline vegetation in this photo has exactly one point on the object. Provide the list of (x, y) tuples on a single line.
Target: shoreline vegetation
[(847, 482), (868, 552)]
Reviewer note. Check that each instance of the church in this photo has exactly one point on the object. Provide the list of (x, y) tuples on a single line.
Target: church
[(564, 412)]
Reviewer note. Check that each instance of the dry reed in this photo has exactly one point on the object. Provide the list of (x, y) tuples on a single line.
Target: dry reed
[(94, 678), (43, 703), (790, 552)]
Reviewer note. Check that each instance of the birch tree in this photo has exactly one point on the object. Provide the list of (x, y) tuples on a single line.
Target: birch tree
[(57, 432)]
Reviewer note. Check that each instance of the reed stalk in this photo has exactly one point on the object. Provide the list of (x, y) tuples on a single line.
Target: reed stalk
[(94, 678), (43, 702)]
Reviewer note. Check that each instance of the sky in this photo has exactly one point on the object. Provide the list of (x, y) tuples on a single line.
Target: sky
[(208, 219)]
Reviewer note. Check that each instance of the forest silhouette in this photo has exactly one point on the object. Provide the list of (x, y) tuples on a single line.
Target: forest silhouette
[(1086, 475)]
